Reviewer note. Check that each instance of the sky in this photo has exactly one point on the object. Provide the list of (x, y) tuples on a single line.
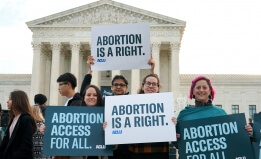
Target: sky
[(221, 36)]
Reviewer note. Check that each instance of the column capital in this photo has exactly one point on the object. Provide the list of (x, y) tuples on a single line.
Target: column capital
[(174, 46), (56, 46), (155, 46), (75, 46), (37, 45)]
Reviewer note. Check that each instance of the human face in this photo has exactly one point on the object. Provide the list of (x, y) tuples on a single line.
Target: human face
[(63, 88), (201, 91), (151, 85), (90, 97), (119, 87), (9, 102)]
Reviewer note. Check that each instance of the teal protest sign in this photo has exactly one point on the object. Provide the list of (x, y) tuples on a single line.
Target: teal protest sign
[(257, 134), (222, 137), (75, 131), (106, 92)]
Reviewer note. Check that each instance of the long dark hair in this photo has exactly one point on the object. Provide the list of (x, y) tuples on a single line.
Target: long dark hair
[(140, 91), (99, 96), (20, 104)]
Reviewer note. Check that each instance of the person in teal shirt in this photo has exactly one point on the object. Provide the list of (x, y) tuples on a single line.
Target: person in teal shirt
[(203, 92)]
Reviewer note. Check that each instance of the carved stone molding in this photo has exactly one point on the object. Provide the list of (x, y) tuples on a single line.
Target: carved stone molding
[(155, 46), (60, 32), (56, 46), (164, 32), (174, 46), (37, 46), (75, 46), (104, 14)]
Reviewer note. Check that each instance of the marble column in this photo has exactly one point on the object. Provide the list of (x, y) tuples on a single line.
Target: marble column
[(43, 58), (155, 48), (55, 73), (48, 73), (115, 72), (174, 73), (96, 75), (36, 71), (75, 47)]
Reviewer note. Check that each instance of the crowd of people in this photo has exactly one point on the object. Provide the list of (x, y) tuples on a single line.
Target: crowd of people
[(24, 134)]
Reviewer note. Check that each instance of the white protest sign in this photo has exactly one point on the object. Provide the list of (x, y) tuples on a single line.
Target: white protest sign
[(139, 118), (121, 46)]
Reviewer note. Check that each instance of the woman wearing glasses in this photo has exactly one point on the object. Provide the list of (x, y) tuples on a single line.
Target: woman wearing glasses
[(160, 150), (119, 85)]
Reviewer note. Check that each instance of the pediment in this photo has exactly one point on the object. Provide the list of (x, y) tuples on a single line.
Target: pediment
[(103, 12)]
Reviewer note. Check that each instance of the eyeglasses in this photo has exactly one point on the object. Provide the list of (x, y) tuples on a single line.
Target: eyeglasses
[(119, 84), (149, 84), (60, 84)]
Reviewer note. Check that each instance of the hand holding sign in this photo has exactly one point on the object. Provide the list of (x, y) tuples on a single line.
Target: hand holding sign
[(90, 62)]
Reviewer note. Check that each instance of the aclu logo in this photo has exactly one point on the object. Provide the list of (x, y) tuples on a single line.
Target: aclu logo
[(244, 157), (100, 146), (117, 132), (101, 60)]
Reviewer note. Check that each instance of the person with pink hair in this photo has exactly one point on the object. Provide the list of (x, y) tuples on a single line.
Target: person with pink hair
[(203, 92)]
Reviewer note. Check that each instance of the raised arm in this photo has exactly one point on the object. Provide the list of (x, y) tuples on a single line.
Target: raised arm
[(152, 63), (88, 77)]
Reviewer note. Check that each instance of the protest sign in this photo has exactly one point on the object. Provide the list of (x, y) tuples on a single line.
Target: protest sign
[(121, 46), (222, 137), (257, 135), (139, 118), (75, 131), (106, 92)]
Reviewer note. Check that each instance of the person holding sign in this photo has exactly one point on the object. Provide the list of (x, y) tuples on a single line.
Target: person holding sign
[(119, 87), (91, 97), (88, 77), (18, 140), (203, 92), (212, 143), (67, 83), (160, 150)]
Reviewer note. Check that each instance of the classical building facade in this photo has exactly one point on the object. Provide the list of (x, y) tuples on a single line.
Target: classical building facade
[(62, 42)]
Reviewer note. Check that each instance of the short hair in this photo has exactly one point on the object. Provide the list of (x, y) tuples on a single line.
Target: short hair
[(68, 77), (40, 99), (198, 78), (119, 77)]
